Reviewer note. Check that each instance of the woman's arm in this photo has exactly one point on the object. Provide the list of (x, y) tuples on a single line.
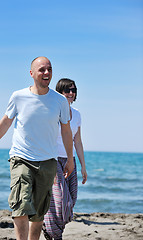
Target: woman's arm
[(79, 150)]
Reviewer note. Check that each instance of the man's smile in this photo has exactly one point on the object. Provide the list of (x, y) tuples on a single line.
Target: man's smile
[(45, 78)]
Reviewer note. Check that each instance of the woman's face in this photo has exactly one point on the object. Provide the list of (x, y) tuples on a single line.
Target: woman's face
[(69, 93)]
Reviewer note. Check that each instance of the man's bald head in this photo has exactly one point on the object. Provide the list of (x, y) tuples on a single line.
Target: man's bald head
[(38, 59)]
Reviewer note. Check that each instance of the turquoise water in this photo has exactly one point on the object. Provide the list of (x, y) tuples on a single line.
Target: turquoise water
[(115, 183)]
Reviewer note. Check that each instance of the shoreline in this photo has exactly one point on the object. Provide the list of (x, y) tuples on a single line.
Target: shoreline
[(93, 226)]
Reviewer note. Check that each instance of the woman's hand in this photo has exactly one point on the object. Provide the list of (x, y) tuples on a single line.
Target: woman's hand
[(84, 175)]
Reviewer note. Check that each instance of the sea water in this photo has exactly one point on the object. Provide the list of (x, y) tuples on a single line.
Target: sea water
[(115, 182)]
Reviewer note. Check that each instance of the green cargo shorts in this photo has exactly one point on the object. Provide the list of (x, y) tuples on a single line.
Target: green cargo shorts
[(31, 187)]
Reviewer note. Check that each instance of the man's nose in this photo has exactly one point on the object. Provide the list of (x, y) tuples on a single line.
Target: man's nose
[(46, 71)]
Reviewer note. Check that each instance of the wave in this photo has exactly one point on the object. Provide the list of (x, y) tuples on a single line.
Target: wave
[(109, 205)]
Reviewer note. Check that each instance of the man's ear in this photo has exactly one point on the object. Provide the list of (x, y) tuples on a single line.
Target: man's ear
[(31, 74)]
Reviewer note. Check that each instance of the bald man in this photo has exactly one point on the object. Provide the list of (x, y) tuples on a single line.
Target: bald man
[(37, 111)]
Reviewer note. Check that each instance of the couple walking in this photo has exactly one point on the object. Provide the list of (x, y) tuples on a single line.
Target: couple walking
[(46, 126)]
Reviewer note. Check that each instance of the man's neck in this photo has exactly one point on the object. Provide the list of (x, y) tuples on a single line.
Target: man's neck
[(39, 91)]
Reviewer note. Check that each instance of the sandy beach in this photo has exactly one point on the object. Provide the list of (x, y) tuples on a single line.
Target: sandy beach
[(94, 226)]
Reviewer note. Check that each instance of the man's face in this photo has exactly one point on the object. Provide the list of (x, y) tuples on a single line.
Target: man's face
[(41, 72)]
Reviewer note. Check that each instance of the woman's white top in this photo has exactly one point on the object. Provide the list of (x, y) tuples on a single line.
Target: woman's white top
[(75, 123)]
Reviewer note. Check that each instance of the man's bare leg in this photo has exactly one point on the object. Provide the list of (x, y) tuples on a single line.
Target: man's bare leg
[(35, 230), (21, 225)]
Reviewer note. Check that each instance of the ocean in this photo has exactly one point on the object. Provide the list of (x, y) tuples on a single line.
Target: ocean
[(115, 182)]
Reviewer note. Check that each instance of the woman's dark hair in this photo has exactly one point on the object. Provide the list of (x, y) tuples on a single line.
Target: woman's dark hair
[(65, 83)]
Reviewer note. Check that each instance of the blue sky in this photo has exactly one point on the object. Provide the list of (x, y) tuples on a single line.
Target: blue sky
[(97, 43)]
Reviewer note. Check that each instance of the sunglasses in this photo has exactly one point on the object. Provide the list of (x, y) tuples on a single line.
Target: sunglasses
[(67, 90)]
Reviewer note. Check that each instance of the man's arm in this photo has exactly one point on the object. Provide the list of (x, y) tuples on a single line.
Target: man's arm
[(68, 143), (5, 123)]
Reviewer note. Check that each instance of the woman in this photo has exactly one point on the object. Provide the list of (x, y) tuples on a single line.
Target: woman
[(64, 192)]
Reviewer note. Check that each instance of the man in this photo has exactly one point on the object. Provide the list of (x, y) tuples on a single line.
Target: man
[(37, 111)]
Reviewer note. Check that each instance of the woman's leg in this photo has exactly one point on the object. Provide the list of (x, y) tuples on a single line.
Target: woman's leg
[(61, 206)]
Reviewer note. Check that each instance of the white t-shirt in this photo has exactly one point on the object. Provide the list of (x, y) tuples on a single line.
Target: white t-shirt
[(36, 125), (74, 124)]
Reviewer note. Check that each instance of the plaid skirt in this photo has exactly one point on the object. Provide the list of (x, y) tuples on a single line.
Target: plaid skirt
[(64, 196)]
